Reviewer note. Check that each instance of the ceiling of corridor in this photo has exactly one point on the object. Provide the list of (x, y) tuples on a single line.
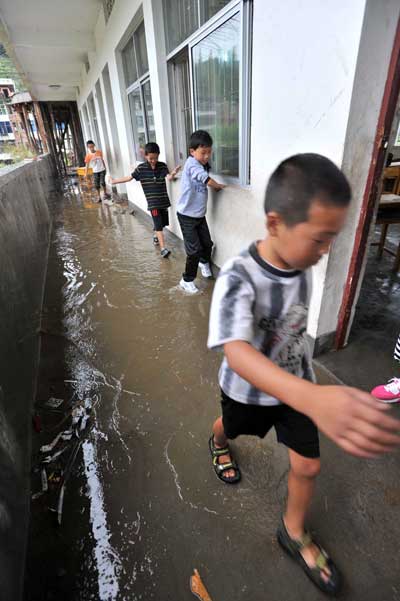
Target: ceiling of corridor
[(50, 42)]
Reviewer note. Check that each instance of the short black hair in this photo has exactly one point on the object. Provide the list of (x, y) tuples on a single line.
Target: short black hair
[(151, 147), (200, 138), (90, 142), (301, 179)]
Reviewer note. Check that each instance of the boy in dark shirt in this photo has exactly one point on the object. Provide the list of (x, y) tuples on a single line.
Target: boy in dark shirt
[(152, 175)]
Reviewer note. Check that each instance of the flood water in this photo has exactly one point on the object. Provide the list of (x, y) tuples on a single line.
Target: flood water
[(143, 507)]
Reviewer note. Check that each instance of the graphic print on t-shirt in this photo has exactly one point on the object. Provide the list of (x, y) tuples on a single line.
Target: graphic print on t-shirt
[(266, 307), (286, 337)]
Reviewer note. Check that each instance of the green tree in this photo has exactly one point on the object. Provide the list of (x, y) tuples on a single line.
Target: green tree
[(9, 71)]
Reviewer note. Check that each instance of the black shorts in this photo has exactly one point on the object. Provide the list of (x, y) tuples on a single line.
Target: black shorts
[(99, 179), (293, 429), (160, 219)]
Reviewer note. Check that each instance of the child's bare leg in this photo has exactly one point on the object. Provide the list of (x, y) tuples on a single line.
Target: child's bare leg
[(220, 441), (301, 484), (160, 236)]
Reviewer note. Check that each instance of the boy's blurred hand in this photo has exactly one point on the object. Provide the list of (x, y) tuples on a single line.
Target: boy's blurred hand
[(354, 420)]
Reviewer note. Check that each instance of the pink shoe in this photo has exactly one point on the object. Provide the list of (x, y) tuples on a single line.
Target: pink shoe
[(388, 393)]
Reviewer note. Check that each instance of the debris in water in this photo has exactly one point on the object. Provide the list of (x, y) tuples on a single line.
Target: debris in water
[(197, 587), (37, 423), (77, 413), (37, 495), (51, 458), (60, 505), (54, 403), (84, 421), (45, 485), (49, 447)]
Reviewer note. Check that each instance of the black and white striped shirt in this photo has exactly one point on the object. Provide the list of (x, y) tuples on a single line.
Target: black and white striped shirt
[(266, 307), (154, 184)]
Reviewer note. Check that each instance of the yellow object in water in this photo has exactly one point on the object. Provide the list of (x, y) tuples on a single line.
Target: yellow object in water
[(81, 171), (197, 587)]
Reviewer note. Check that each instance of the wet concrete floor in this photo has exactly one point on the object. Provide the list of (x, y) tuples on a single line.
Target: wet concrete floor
[(143, 507), (368, 358)]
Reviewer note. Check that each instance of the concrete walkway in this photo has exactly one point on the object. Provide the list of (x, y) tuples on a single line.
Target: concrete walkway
[(145, 508)]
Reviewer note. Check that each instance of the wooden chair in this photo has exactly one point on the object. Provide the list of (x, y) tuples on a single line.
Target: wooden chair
[(388, 213), (391, 180)]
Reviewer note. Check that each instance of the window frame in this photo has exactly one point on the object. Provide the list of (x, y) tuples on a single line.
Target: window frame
[(138, 84), (243, 8)]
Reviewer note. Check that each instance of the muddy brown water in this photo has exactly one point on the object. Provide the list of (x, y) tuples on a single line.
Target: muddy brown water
[(143, 507)]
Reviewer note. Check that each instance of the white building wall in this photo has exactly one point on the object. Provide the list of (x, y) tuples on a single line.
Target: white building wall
[(304, 62)]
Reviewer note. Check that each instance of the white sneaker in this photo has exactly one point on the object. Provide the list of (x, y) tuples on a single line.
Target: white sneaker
[(205, 269), (189, 287)]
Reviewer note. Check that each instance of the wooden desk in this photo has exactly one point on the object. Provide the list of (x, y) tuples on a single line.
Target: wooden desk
[(391, 174), (388, 213)]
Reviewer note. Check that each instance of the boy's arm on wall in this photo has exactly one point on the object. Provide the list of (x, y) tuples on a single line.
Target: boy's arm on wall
[(173, 173), (215, 185), (121, 180), (353, 419)]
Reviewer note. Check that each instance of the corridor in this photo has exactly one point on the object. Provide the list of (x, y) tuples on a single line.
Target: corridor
[(143, 507)]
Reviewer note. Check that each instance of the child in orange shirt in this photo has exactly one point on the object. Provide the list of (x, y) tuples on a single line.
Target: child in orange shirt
[(94, 159)]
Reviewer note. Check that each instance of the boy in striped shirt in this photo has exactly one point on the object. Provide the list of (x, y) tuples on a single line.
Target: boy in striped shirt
[(152, 175)]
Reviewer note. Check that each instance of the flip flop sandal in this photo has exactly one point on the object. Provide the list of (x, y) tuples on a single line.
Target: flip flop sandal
[(221, 468), (294, 547)]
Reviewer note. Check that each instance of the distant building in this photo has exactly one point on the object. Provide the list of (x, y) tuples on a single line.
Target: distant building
[(7, 89)]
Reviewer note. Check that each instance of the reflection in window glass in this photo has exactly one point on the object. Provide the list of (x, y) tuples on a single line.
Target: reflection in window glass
[(397, 141), (141, 50), (182, 19), (138, 123), (182, 102), (129, 62), (93, 118), (216, 62), (209, 8), (148, 103)]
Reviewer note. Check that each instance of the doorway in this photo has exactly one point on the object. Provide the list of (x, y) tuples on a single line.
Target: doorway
[(369, 317)]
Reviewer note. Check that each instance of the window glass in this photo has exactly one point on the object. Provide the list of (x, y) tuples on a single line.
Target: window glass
[(148, 103), (209, 8), (129, 62), (182, 102), (138, 122), (181, 20), (141, 50), (216, 67), (397, 141), (93, 117)]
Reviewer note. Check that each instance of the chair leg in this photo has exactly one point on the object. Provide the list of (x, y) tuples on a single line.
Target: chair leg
[(396, 265), (382, 240)]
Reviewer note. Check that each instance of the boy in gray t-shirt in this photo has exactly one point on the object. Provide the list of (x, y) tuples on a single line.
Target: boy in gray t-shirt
[(192, 207), (259, 316)]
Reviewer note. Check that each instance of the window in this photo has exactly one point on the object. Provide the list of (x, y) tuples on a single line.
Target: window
[(5, 128), (129, 61), (216, 93), (93, 120), (209, 84), (108, 5), (183, 17), (181, 101), (397, 140), (136, 66)]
